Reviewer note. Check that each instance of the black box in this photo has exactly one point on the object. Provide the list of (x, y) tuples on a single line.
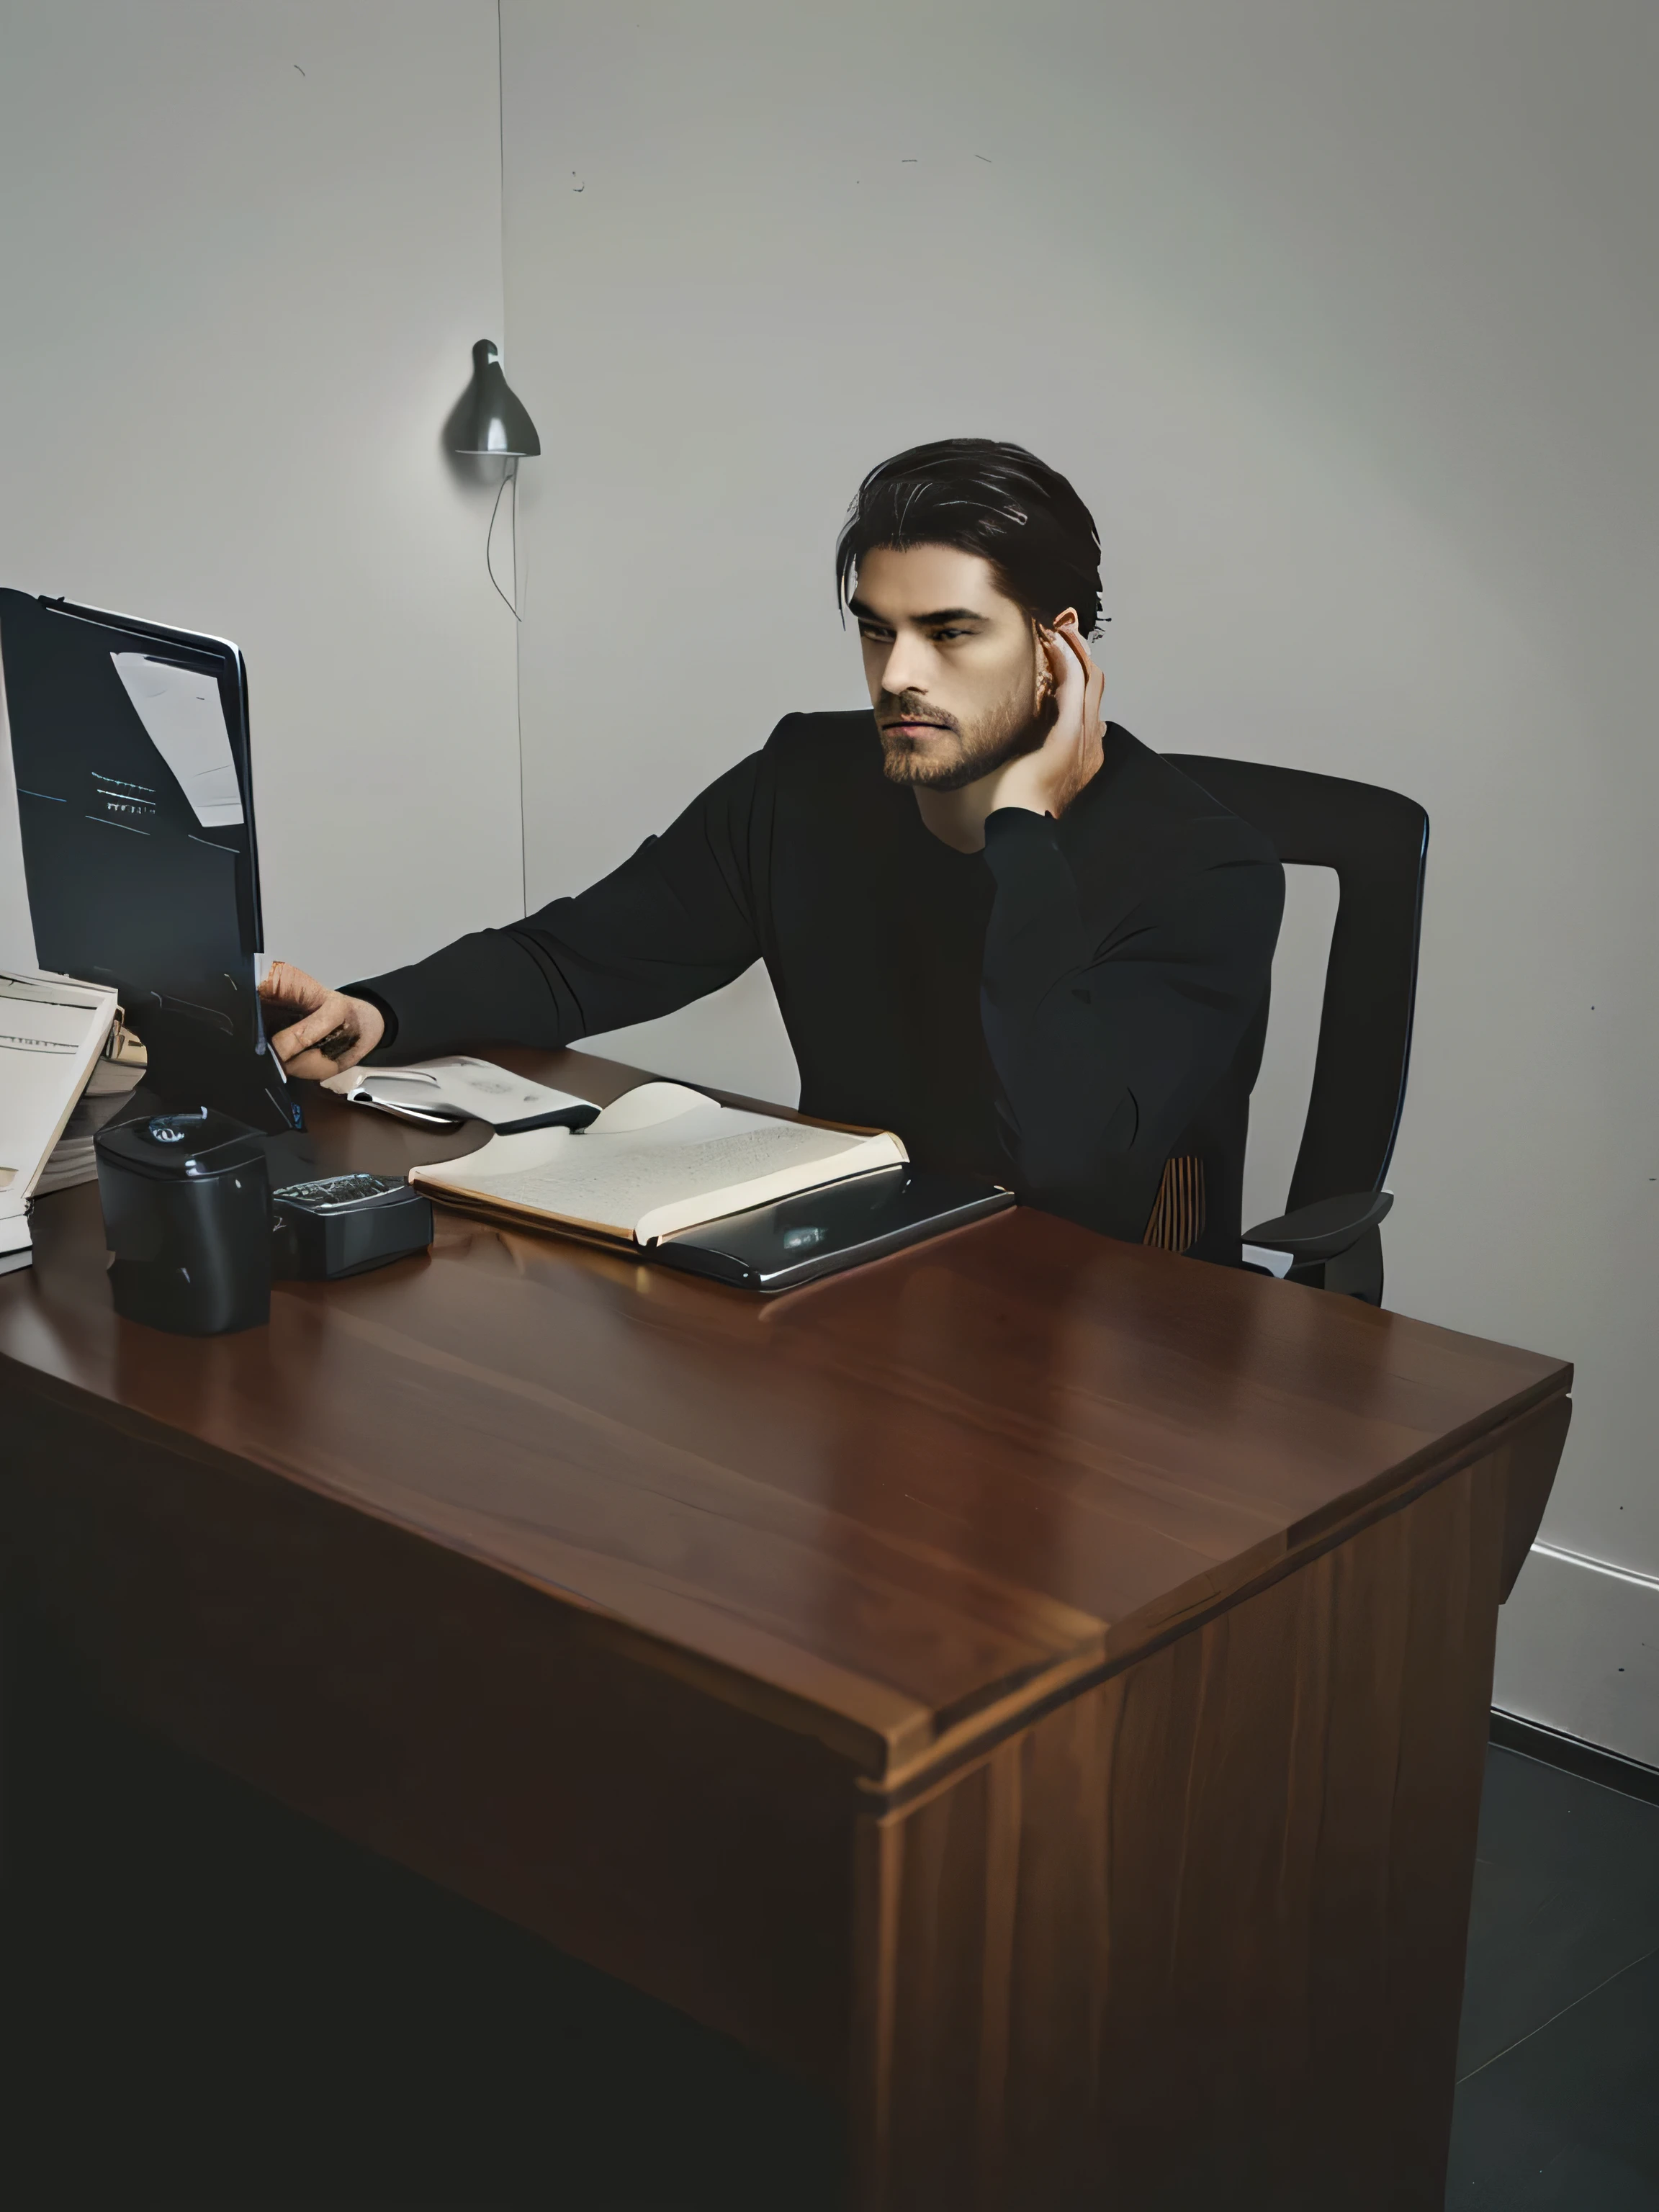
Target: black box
[(187, 1215), (344, 1225)]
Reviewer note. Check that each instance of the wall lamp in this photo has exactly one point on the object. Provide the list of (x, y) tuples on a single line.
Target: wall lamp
[(494, 423)]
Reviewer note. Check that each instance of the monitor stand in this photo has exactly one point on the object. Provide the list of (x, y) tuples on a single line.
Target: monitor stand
[(194, 1063)]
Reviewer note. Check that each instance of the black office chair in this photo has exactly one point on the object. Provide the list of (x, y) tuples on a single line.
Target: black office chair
[(1377, 842)]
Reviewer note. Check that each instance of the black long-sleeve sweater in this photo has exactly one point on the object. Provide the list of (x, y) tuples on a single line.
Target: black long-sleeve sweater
[(1066, 1010)]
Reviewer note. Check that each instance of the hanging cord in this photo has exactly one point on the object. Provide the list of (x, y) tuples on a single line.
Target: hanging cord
[(509, 475)]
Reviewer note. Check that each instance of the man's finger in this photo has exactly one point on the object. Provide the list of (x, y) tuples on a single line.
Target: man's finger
[(300, 1035), (1071, 694), (286, 985), (1094, 675), (286, 1042), (310, 1067), (318, 1062), (1063, 666), (315, 1025), (1072, 636)]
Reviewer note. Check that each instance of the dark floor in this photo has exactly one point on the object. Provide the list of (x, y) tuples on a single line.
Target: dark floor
[(211, 2001), (1558, 2098)]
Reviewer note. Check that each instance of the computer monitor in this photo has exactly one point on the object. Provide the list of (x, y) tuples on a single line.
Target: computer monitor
[(135, 801)]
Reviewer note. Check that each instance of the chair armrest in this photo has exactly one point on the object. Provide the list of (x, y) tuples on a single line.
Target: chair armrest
[(1322, 1230)]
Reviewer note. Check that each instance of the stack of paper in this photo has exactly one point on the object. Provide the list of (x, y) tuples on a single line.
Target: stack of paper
[(104, 1100), (52, 1028)]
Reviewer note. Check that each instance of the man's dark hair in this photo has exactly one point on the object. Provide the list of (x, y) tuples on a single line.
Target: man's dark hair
[(987, 497)]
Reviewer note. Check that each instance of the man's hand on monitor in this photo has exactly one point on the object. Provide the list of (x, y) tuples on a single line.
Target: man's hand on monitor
[(325, 1030)]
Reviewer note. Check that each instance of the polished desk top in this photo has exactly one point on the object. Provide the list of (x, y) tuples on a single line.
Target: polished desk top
[(889, 1507)]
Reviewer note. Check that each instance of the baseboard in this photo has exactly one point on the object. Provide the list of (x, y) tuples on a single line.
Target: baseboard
[(1578, 1652), (1554, 1749)]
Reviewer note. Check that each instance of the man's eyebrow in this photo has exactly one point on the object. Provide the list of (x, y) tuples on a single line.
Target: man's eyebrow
[(923, 621)]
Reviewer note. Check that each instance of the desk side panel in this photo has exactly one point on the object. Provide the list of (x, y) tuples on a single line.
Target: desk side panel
[(446, 1715), (1197, 1938)]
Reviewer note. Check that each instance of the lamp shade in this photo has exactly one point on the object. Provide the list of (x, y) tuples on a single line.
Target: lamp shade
[(490, 419)]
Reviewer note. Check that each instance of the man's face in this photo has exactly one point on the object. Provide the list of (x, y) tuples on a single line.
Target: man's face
[(953, 665)]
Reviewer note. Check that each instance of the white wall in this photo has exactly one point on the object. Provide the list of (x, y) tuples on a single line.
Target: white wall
[(1342, 317), (244, 253)]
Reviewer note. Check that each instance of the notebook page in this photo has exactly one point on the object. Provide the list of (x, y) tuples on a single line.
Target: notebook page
[(689, 1168)]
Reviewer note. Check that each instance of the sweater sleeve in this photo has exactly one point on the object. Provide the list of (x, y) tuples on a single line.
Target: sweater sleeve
[(1105, 1051), (670, 925)]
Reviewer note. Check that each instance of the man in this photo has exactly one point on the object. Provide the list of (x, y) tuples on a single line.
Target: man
[(996, 925)]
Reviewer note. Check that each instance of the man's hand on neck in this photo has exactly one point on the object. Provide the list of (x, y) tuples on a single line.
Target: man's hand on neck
[(1041, 782)]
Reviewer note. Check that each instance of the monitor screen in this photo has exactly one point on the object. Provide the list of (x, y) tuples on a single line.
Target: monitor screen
[(134, 803)]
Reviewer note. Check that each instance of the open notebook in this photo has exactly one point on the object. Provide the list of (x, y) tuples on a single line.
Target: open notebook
[(661, 1158)]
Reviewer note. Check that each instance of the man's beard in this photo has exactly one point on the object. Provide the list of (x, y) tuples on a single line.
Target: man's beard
[(1004, 735)]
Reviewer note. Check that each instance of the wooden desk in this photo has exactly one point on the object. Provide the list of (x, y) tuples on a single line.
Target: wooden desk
[(1036, 1685)]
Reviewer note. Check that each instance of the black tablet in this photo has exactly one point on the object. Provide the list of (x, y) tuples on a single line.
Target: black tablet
[(779, 1246)]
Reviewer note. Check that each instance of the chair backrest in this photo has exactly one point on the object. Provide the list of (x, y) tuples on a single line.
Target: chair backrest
[(1377, 842)]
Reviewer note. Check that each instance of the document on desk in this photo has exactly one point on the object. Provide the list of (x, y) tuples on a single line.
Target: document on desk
[(661, 1158), (457, 1088), (51, 1031)]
